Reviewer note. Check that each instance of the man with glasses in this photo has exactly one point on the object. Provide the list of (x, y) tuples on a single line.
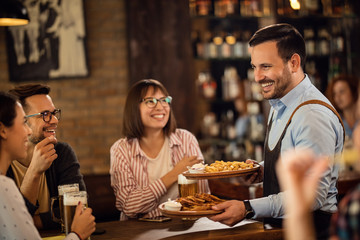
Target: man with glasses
[(49, 163)]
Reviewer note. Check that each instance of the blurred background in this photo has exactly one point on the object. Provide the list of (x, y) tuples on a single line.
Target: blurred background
[(198, 50)]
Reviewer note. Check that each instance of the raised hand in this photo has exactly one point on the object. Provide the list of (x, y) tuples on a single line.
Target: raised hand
[(299, 173), (182, 165), (43, 156), (172, 176)]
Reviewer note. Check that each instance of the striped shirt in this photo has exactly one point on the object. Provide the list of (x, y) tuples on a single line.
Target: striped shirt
[(135, 195)]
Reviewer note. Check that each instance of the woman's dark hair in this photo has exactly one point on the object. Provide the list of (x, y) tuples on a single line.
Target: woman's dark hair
[(28, 90), (288, 40), (351, 81), (7, 108), (132, 124)]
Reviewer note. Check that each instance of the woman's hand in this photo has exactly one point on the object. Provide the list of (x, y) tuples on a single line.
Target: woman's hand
[(182, 165), (84, 222), (171, 177)]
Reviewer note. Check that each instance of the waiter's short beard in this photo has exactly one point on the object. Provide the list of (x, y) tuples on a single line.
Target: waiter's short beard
[(283, 83)]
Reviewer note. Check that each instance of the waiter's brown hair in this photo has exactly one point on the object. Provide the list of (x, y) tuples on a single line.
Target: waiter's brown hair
[(288, 40)]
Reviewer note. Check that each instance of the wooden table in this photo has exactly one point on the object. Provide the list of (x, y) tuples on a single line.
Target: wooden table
[(202, 228)]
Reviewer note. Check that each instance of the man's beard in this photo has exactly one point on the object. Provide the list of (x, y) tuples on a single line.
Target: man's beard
[(281, 85), (35, 140)]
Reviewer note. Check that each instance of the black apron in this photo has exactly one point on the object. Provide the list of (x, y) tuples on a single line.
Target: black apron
[(271, 183)]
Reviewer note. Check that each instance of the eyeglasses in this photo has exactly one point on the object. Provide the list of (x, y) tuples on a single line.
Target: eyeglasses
[(47, 115), (152, 102)]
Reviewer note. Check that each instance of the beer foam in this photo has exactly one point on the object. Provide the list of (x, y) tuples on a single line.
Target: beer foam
[(183, 180), (64, 189), (72, 198)]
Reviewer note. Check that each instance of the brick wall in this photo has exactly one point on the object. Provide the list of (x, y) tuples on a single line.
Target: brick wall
[(92, 107)]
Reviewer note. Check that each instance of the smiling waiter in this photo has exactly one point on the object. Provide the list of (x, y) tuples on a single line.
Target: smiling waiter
[(300, 117)]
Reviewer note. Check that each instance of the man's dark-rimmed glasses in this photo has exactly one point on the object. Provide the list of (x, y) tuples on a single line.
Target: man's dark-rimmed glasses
[(47, 115)]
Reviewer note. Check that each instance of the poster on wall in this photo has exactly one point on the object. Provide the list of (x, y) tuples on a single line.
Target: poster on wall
[(52, 45)]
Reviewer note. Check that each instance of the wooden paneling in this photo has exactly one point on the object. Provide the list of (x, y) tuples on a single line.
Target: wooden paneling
[(101, 197), (160, 48)]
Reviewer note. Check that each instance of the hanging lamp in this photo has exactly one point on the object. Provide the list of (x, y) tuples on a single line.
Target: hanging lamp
[(13, 13)]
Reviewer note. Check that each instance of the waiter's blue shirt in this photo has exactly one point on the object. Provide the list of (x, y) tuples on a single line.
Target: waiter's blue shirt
[(313, 126)]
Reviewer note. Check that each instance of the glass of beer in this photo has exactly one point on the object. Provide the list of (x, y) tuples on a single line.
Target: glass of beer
[(71, 200), (187, 187), (63, 189), (74, 187)]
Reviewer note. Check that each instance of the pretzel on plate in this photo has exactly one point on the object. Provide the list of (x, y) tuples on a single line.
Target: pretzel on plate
[(199, 202)]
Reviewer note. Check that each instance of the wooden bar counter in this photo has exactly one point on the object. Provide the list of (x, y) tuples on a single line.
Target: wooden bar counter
[(177, 228)]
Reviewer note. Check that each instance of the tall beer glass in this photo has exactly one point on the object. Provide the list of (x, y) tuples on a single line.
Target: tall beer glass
[(63, 189), (187, 187), (71, 200)]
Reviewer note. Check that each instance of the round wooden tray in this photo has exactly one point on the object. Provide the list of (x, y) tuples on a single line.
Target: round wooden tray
[(224, 174), (187, 214)]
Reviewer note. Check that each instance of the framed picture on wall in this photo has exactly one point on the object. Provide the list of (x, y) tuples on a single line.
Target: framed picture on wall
[(52, 45)]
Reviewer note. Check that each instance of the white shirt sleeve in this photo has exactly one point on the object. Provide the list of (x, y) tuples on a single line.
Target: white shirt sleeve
[(15, 220)]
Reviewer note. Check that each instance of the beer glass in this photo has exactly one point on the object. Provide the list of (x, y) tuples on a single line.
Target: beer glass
[(74, 187), (71, 200), (187, 187)]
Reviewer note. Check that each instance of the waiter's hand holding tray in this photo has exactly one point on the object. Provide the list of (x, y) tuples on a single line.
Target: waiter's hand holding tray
[(195, 206), (221, 169)]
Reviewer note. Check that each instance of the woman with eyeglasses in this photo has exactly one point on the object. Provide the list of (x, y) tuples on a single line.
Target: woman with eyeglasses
[(145, 164), (15, 220)]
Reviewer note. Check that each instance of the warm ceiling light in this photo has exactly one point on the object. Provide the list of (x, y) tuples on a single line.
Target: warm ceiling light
[(295, 4), (13, 13)]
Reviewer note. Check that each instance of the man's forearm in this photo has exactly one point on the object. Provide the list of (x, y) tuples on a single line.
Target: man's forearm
[(30, 186)]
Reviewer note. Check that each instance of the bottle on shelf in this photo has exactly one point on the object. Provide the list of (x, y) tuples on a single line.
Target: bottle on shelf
[(206, 85), (337, 40), (256, 122), (246, 38), (309, 41), (192, 8), (313, 73), (239, 46), (313, 7), (218, 41), (251, 8), (197, 44), (284, 7), (230, 84), (219, 8), (323, 42), (210, 49), (327, 7), (334, 68), (203, 7), (209, 127), (230, 40)]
